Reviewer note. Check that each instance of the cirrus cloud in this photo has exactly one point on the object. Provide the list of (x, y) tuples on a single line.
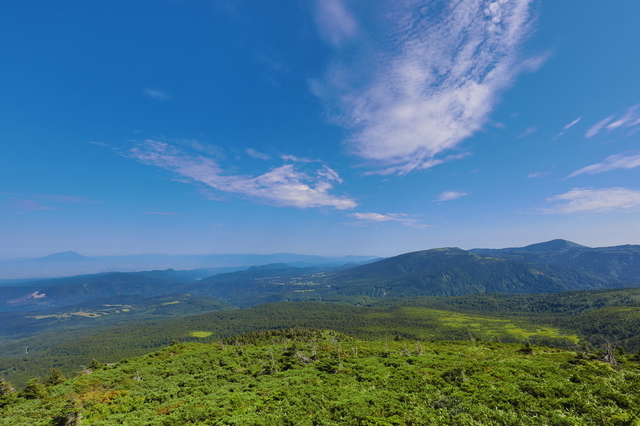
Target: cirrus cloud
[(284, 185), (388, 217), (629, 160), (587, 200), (449, 195), (630, 118), (433, 73)]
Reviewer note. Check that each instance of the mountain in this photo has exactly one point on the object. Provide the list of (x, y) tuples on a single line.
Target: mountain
[(65, 256), (452, 272), (552, 246), (549, 267), (618, 263), (71, 263)]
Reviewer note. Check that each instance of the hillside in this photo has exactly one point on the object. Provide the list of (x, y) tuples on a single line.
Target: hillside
[(618, 263), (453, 272), (103, 311), (306, 377), (61, 292), (562, 320), (551, 267)]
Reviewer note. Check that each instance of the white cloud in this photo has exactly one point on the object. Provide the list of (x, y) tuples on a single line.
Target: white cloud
[(156, 94), (98, 143), (257, 154), (449, 195), (389, 217), (295, 159), (284, 185), (585, 200), (334, 21), (566, 127), (426, 79), (537, 174), (628, 160), (528, 131), (573, 123), (630, 118)]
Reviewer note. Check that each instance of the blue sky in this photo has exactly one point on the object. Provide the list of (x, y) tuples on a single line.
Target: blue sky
[(326, 127)]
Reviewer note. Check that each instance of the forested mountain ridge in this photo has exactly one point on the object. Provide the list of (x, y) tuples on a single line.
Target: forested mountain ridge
[(551, 267), (453, 272), (617, 263)]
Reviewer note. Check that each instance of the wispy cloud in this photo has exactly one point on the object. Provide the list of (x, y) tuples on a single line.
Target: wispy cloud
[(527, 132), (625, 160), (296, 159), (335, 21), (257, 154), (630, 118), (35, 202), (449, 195), (24, 204), (432, 75), (566, 127), (388, 217), (586, 200), (67, 199), (573, 123), (284, 185), (537, 174), (156, 94)]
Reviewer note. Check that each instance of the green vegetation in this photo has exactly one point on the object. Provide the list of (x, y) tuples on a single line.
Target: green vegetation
[(564, 320), (201, 334), (307, 377)]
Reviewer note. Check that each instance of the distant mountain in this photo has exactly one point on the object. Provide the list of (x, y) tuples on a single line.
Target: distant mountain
[(453, 272), (549, 267), (618, 263), (547, 246), (65, 256), (71, 263), (552, 246)]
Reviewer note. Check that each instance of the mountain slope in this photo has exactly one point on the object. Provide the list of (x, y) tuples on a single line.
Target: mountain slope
[(68, 291), (618, 263), (452, 272)]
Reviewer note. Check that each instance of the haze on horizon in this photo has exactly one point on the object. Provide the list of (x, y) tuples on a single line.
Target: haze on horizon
[(326, 127)]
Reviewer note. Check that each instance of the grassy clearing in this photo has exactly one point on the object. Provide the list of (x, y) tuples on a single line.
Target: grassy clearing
[(423, 322), (200, 334)]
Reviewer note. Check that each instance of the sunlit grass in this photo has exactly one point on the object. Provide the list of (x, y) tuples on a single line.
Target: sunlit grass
[(200, 334)]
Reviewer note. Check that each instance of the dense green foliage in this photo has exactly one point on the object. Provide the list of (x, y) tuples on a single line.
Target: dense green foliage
[(562, 320), (306, 377)]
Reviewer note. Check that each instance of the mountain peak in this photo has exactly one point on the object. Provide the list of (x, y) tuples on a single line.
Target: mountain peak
[(553, 245), (65, 256)]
